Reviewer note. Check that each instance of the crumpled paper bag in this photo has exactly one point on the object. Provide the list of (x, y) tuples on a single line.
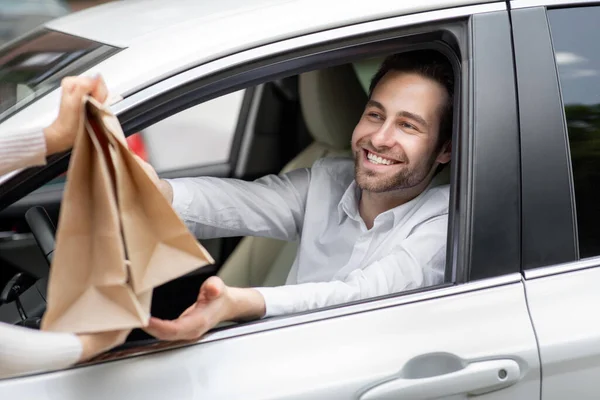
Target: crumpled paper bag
[(117, 236)]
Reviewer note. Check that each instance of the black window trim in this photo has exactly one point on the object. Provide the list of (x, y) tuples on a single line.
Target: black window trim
[(549, 227)]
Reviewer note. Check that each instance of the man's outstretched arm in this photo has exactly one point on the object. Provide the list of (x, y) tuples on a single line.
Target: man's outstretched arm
[(418, 262), (272, 206)]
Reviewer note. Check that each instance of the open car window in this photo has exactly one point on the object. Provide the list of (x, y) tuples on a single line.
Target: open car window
[(35, 65)]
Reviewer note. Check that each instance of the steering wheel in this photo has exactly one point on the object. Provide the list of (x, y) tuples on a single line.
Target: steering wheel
[(43, 230), (25, 303)]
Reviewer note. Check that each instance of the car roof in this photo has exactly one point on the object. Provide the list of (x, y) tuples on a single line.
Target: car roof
[(162, 37), (125, 23)]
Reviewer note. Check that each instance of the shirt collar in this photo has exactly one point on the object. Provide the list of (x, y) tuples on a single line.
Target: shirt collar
[(348, 205)]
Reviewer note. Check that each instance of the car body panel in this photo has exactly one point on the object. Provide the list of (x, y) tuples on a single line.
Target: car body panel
[(568, 331), (141, 23), (337, 358)]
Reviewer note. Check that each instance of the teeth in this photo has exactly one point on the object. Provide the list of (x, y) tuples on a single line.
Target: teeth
[(378, 160)]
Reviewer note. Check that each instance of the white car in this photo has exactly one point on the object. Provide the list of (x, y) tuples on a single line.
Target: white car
[(514, 319)]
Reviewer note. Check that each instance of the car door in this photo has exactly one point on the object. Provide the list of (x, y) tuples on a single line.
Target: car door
[(558, 70), (470, 336)]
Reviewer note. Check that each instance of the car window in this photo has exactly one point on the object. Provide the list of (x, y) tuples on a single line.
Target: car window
[(36, 64), (577, 51), (201, 135)]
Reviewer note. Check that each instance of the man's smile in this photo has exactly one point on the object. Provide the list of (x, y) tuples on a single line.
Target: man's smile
[(377, 159)]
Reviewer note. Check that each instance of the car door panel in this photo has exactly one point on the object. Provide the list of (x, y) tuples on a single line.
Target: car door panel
[(556, 58), (447, 330), (562, 309)]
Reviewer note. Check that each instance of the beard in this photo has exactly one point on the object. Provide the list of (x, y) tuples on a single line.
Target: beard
[(407, 176)]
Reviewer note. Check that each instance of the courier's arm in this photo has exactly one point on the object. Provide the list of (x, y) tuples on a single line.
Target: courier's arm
[(24, 350), (29, 147)]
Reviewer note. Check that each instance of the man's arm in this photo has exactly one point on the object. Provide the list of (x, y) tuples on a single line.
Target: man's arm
[(272, 206), (418, 262)]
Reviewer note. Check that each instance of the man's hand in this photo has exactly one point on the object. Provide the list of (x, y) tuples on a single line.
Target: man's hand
[(216, 303), (96, 343), (60, 135), (164, 186)]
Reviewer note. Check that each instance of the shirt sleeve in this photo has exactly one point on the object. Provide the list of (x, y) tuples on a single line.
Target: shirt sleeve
[(418, 262), (272, 206), (22, 149), (25, 351)]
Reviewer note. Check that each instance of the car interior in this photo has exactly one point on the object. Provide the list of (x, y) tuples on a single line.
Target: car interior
[(299, 120)]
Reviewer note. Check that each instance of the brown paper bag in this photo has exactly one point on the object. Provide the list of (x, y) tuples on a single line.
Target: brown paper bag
[(117, 236)]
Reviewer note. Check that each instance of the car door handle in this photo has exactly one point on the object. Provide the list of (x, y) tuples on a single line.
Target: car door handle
[(474, 378)]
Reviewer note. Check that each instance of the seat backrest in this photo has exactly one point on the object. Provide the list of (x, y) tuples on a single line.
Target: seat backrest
[(332, 101)]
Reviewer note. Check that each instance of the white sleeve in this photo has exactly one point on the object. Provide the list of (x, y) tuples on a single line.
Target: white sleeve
[(22, 149), (24, 350), (419, 261), (272, 206)]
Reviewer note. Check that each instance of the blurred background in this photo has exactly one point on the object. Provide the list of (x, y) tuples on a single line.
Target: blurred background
[(20, 16)]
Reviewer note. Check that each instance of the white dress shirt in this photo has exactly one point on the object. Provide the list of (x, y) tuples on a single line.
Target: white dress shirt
[(339, 259)]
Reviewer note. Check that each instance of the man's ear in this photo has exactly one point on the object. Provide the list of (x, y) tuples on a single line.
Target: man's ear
[(445, 153)]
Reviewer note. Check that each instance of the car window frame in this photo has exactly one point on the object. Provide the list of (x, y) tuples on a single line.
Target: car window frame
[(269, 62), (550, 245), (546, 241), (206, 87), (571, 260)]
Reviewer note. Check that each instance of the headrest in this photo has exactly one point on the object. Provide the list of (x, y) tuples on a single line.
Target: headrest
[(365, 70), (332, 102)]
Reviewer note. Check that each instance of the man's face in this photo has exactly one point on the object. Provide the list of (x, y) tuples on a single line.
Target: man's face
[(395, 143)]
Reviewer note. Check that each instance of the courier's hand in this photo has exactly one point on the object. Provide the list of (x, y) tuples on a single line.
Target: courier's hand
[(216, 303), (60, 135), (96, 343)]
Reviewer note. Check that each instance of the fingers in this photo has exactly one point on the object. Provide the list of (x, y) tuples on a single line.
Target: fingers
[(100, 91), (188, 310), (78, 85), (197, 319), (188, 327), (212, 288), (75, 87), (148, 169)]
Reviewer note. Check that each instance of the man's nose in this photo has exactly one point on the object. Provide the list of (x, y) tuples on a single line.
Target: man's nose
[(384, 137)]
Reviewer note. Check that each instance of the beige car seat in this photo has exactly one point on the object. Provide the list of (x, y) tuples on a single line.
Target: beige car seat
[(332, 101)]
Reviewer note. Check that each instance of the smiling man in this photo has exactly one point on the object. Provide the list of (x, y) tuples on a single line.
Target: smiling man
[(370, 226)]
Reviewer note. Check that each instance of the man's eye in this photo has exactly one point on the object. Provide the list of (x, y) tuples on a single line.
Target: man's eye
[(374, 115), (407, 125)]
